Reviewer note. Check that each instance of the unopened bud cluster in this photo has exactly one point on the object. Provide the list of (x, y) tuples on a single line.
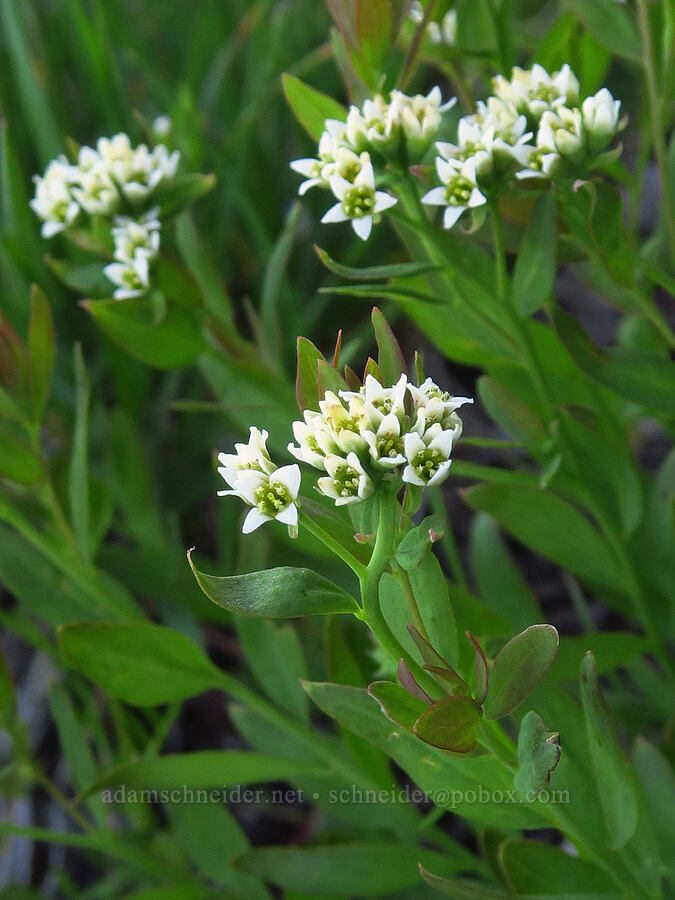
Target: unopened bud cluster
[(114, 182)]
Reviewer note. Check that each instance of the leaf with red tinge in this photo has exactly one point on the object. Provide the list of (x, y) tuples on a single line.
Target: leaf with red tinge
[(427, 652), (450, 679), (373, 369), (482, 677), (519, 667), (329, 378), (408, 683), (397, 704), (450, 724), (374, 30), (390, 359), (352, 379), (307, 378)]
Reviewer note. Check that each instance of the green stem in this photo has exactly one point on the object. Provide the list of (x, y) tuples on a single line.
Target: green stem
[(413, 608), (331, 544), (57, 795), (370, 594), (657, 124), (416, 45)]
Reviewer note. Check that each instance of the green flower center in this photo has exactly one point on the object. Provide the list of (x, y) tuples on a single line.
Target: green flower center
[(346, 481), (427, 463), (131, 279), (458, 190), (389, 446), (546, 92), (359, 201), (271, 498)]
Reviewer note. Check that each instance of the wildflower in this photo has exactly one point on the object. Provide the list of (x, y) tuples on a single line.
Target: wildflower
[(251, 456), (600, 115), (317, 171), (358, 200), (533, 91), (314, 438), (386, 444), (495, 155), (270, 496), (562, 132), (135, 238), (428, 456), (459, 191), (347, 481), (131, 277), (96, 192), (53, 201)]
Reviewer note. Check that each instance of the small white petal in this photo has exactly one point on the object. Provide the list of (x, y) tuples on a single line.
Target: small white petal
[(435, 197), (290, 477), (383, 201), (451, 214), (288, 516), (363, 226), (254, 520), (335, 214), (303, 166)]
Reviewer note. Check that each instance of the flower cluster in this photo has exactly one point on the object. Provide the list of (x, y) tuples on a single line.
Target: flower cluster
[(136, 246), (117, 182), (360, 437), (531, 127), (401, 126), (357, 439)]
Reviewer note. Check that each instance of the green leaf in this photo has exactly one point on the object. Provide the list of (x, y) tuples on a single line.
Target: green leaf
[(535, 269), (7, 696), (310, 106), (397, 704), (658, 783), (612, 773), (550, 526), (202, 769), (79, 464), (18, 462), (174, 342), (610, 649), (86, 279), (307, 378), (451, 724), (41, 350), (329, 378), (538, 754), (611, 25), (181, 192), (339, 528), (374, 30), (431, 591), (374, 273), (511, 413), (284, 592), (534, 868), (416, 543), (498, 577), (461, 888), (363, 870), (275, 657), (519, 667), (141, 664), (273, 281), (481, 671)]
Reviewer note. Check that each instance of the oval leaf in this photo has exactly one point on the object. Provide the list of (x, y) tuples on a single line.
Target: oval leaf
[(538, 754), (397, 704), (283, 592), (519, 667), (536, 261), (451, 724)]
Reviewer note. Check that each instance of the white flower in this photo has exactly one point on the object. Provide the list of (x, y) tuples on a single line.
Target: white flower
[(161, 126), (358, 200), (434, 406), (271, 496), (53, 201), (533, 91), (347, 480), (96, 192), (417, 118), (428, 456), (317, 171), (459, 191), (449, 28), (386, 444), (367, 127), (496, 153), (344, 427), (562, 132), (314, 439), (445, 33), (600, 114), (132, 278), (250, 456), (130, 237)]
